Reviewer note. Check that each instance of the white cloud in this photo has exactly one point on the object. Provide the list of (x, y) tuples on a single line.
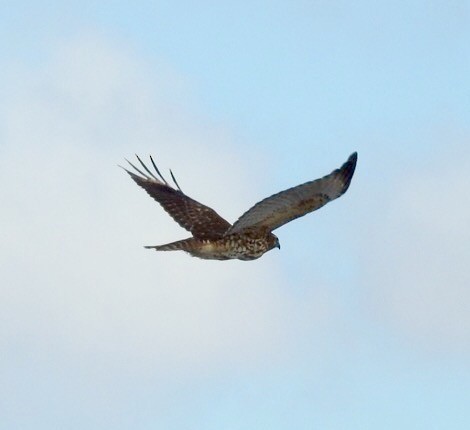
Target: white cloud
[(75, 279), (420, 258)]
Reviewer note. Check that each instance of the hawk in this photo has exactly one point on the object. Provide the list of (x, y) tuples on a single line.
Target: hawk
[(214, 238)]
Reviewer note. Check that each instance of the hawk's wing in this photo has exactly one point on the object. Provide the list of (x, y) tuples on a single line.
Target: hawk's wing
[(202, 221), (280, 208)]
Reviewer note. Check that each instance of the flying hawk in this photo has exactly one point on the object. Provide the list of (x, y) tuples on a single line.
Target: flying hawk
[(251, 235)]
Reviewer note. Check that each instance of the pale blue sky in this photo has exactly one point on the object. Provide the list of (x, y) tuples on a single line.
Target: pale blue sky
[(361, 321)]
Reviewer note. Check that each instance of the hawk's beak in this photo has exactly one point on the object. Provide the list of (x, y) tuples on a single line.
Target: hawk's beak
[(278, 245)]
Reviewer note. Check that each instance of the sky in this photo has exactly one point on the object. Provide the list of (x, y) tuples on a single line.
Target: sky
[(360, 321)]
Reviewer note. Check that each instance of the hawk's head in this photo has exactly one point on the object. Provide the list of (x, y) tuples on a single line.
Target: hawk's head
[(273, 241)]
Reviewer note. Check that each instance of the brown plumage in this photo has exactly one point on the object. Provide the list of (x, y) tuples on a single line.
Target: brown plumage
[(251, 235)]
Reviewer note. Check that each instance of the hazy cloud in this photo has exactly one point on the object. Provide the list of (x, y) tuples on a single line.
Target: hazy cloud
[(76, 281), (420, 258)]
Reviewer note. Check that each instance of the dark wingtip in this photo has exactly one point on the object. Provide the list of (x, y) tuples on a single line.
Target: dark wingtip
[(353, 158), (132, 174), (351, 162), (174, 180), (347, 170), (145, 167), (158, 171)]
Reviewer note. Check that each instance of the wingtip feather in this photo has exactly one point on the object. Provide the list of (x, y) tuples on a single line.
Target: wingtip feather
[(347, 170), (353, 158)]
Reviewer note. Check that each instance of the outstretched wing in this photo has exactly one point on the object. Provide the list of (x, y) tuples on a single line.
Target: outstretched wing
[(280, 208), (202, 221)]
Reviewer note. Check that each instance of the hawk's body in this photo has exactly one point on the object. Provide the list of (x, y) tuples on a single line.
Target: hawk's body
[(233, 246), (251, 235)]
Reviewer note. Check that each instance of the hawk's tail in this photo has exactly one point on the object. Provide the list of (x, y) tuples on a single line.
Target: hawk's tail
[(180, 245)]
